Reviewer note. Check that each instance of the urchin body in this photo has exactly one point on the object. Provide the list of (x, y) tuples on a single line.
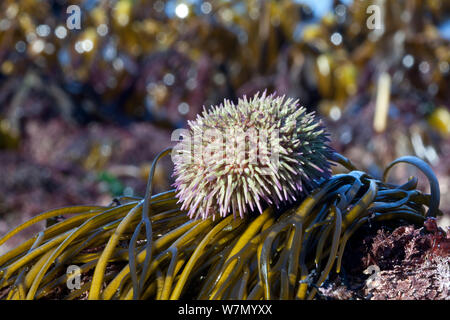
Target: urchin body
[(236, 158)]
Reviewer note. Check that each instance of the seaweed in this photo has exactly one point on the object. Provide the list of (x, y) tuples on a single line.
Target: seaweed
[(149, 249)]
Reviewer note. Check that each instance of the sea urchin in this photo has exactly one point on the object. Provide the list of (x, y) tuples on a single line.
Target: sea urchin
[(265, 150)]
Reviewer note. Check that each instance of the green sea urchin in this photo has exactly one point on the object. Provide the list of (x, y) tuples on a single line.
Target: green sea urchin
[(260, 151)]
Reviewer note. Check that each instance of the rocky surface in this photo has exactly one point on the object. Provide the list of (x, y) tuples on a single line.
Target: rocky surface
[(394, 263)]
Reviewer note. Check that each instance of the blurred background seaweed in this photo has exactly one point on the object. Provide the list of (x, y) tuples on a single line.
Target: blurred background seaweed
[(84, 111)]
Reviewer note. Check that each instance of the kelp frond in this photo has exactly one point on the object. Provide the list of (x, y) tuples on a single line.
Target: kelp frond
[(150, 249)]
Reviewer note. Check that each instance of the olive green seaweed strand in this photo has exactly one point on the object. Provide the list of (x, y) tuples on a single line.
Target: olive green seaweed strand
[(99, 273), (426, 169)]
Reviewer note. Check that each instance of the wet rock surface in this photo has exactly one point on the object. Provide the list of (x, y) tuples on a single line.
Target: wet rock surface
[(388, 262)]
